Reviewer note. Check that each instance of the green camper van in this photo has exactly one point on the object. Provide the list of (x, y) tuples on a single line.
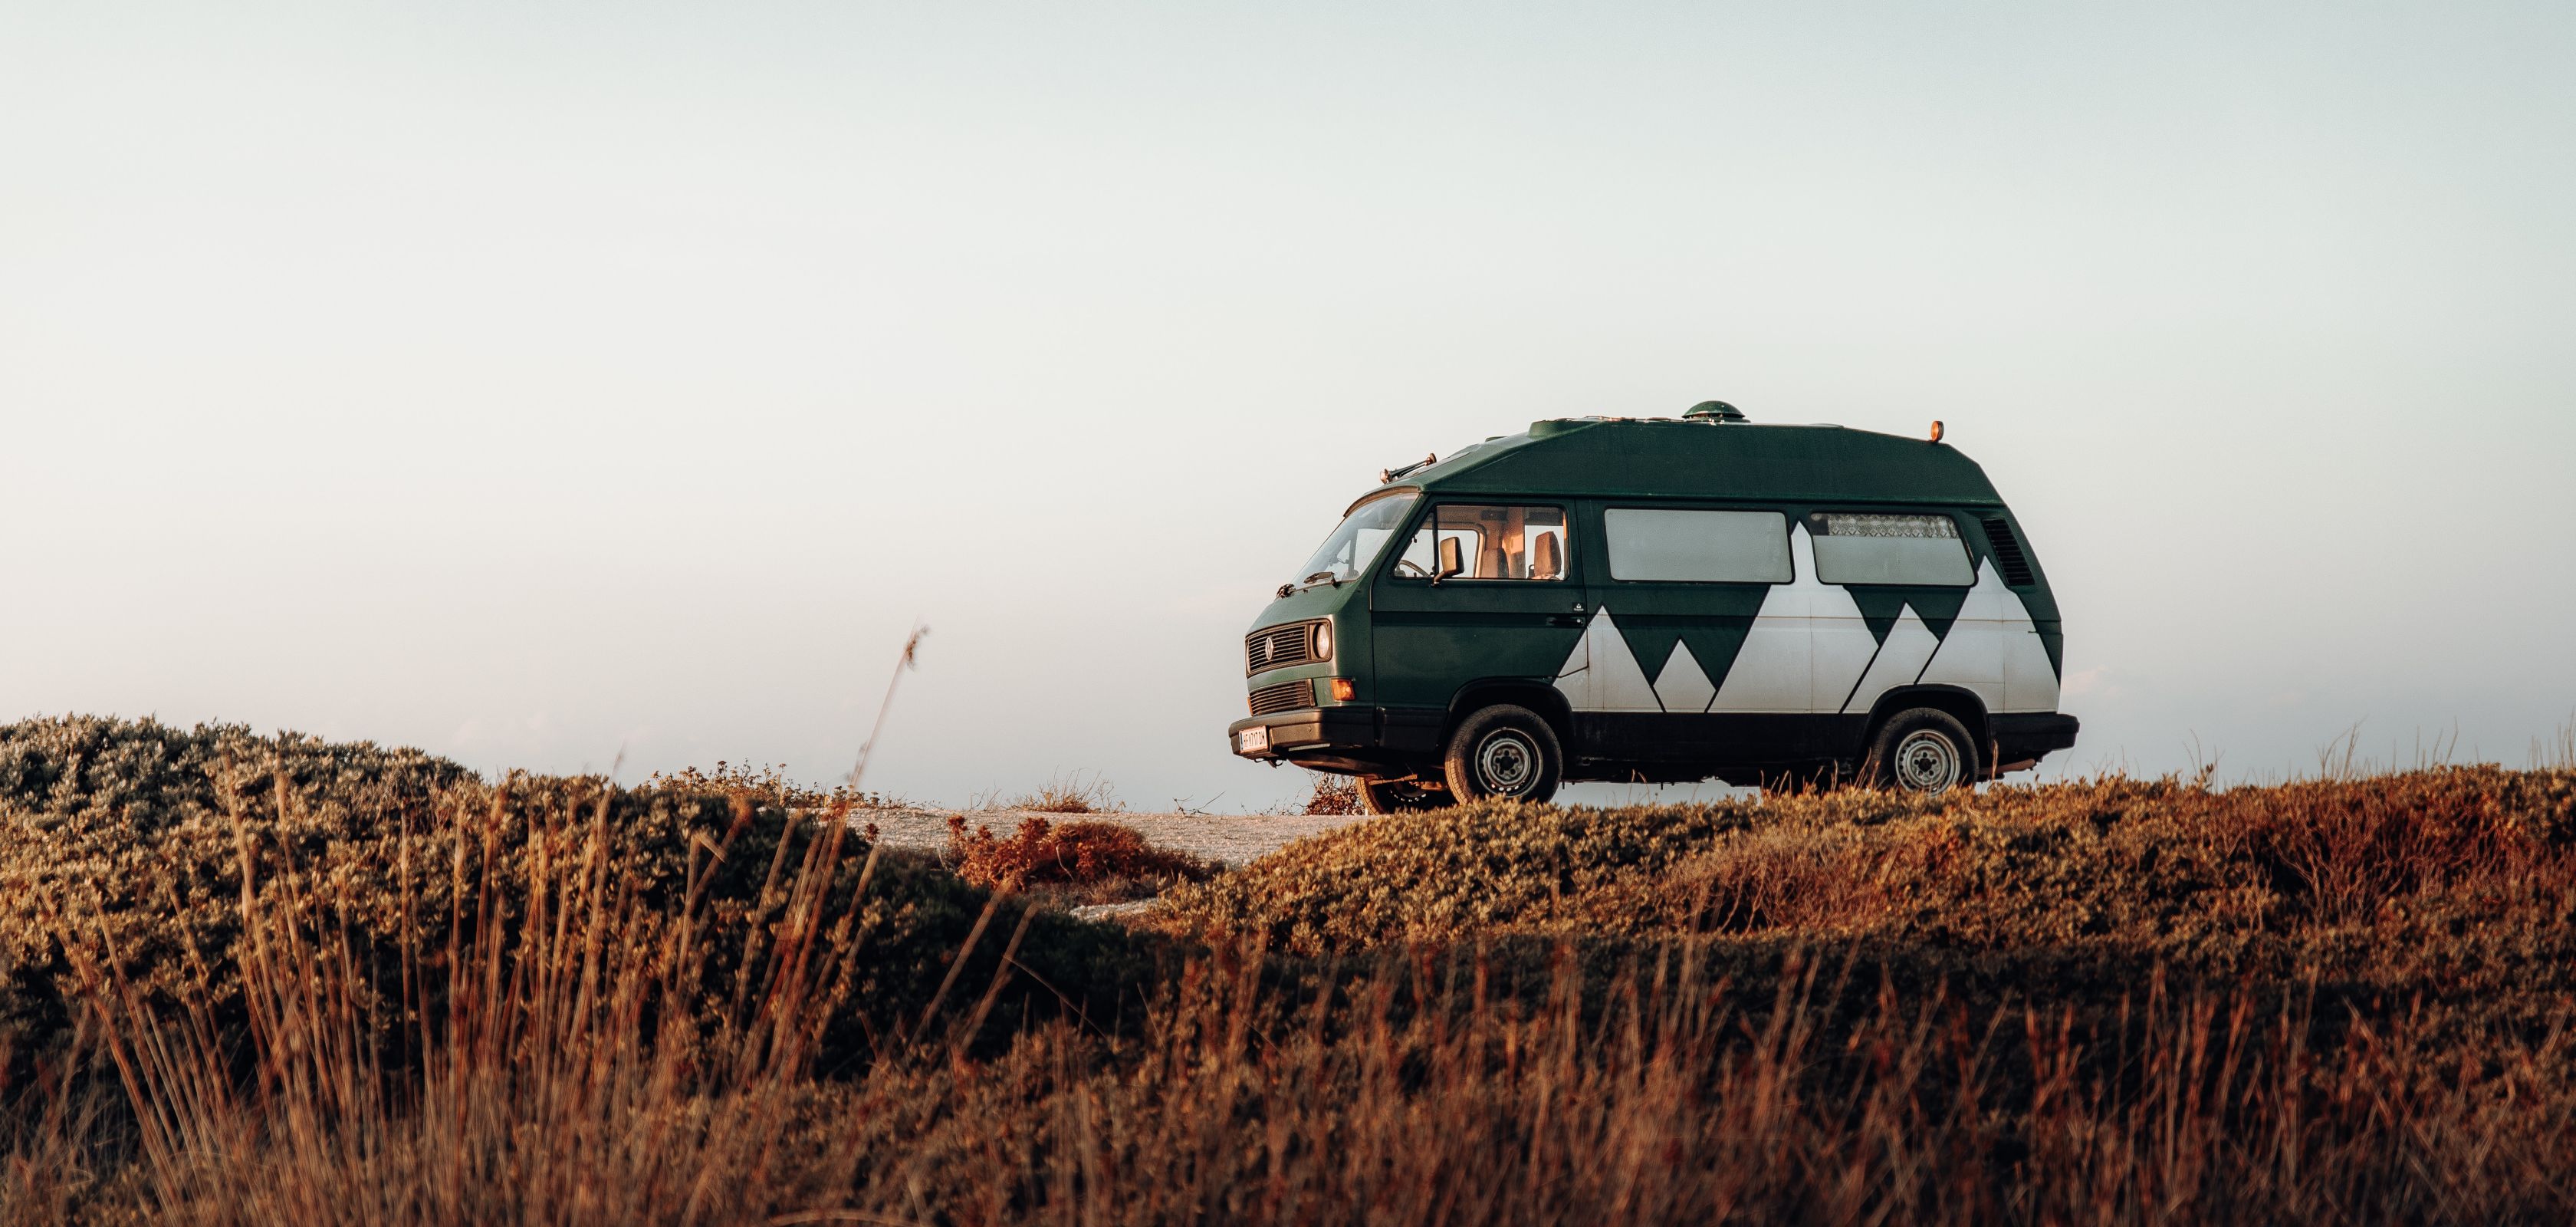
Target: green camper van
[(1663, 600)]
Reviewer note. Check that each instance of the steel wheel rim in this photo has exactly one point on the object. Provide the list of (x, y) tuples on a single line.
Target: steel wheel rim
[(1506, 763), (1926, 762)]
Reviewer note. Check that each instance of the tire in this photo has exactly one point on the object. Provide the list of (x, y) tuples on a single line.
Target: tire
[(1503, 753), (1921, 750), (1397, 797)]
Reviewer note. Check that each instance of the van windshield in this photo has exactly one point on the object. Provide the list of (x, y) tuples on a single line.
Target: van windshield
[(1355, 544)]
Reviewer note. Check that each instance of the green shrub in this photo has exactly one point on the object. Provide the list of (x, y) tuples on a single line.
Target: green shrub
[(343, 984), (2452, 890), (135, 837)]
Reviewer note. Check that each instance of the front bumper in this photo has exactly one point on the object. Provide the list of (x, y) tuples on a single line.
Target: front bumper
[(1348, 728), (1353, 737)]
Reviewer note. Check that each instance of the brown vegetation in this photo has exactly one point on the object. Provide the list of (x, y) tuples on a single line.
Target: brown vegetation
[(261, 980), (768, 785), (1334, 795), (1096, 862)]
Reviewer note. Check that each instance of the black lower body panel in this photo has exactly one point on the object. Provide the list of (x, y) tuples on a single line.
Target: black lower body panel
[(1738, 747), (1768, 747), (2022, 737), (1656, 747), (1721, 737)]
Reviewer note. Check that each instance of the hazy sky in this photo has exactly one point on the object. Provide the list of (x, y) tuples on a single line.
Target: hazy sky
[(532, 383)]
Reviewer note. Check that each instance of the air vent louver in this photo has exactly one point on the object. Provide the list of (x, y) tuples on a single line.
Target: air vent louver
[(1286, 696), (2008, 555)]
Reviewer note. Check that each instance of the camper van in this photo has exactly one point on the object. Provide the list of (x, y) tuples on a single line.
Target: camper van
[(1663, 600)]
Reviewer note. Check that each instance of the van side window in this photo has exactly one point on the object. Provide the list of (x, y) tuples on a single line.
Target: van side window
[(1853, 548), (1726, 547), (1487, 542)]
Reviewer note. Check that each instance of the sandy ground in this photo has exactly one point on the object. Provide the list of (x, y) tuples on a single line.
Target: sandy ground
[(1232, 838)]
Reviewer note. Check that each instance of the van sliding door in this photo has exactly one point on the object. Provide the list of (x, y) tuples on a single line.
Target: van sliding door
[(1680, 657)]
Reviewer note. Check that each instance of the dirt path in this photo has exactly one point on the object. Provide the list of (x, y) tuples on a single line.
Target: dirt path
[(1232, 838)]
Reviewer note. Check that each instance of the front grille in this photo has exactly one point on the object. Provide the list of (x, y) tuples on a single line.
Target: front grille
[(1276, 647), (1286, 696), (2008, 555)]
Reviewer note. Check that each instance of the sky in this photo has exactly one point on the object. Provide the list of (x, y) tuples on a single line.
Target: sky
[(580, 386)]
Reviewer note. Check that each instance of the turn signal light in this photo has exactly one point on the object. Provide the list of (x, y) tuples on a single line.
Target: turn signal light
[(1343, 690)]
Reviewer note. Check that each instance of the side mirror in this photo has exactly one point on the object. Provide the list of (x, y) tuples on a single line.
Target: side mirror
[(1453, 559)]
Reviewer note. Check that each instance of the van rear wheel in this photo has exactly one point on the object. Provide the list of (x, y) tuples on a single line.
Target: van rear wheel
[(1397, 797), (1506, 753), (1921, 750)]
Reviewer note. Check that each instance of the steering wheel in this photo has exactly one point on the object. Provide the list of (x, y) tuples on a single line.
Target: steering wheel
[(1407, 566)]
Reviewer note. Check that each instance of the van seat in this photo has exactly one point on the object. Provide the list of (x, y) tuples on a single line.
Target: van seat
[(1547, 558)]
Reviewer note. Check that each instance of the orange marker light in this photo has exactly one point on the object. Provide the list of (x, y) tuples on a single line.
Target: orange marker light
[(1343, 690), (1936, 431)]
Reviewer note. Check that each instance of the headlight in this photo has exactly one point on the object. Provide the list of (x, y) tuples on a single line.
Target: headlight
[(1323, 641)]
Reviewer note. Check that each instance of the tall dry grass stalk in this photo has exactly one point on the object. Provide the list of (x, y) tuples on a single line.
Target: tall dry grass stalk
[(575, 1080), (555, 1044), (1417, 1093), (575, 1059)]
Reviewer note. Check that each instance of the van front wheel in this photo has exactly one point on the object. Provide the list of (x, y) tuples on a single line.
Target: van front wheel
[(1503, 753), (1396, 797), (1921, 750)]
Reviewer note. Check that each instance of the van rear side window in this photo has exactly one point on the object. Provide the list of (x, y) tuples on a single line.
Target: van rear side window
[(1855, 548), (1720, 547)]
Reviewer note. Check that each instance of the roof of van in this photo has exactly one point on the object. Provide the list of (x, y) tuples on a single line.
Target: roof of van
[(1662, 457)]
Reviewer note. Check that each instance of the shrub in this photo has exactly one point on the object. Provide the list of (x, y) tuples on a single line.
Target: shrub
[(1102, 861), (1334, 794), (2448, 891), (769, 785), (2153, 861), (142, 838)]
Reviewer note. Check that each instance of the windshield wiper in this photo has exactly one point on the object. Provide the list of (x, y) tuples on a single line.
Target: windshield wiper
[(1335, 577), (1309, 582)]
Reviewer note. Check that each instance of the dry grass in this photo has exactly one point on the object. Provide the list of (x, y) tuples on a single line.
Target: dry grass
[(1063, 793), (2118, 1002)]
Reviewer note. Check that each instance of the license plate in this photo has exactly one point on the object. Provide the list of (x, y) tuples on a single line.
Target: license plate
[(1256, 738)]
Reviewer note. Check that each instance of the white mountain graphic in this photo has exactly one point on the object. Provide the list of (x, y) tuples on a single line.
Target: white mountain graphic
[(1602, 674), (1908, 647), (1683, 685), (1995, 651), (1809, 650)]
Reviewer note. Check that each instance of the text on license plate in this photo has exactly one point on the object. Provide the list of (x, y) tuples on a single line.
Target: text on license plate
[(1256, 738)]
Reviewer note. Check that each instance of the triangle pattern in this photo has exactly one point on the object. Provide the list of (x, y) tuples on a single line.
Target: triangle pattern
[(1683, 685), (1812, 649), (1994, 651), (1601, 674), (1775, 670), (1843, 644), (1908, 648)]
